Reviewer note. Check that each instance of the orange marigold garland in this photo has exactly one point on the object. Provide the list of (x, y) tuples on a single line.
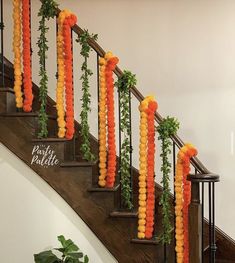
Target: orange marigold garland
[(61, 77), (17, 52), (27, 77), (146, 174), (183, 198), (152, 107), (111, 170), (69, 22), (102, 124)]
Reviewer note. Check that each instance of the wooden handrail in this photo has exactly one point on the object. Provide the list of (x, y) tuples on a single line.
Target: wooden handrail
[(202, 178), (139, 96)]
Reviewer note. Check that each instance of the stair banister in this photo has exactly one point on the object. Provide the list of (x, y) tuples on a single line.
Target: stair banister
[(158, 118), (196, 163), (202, 176)]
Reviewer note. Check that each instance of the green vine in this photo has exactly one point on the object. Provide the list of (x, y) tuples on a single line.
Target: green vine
[(124, 83), (166, 129), (86, 96), (48, 10)]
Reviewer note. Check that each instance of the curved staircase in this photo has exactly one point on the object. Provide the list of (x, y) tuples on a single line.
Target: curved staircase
[(75, 180)]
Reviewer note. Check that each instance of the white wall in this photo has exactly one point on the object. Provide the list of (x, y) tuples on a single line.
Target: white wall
[(184, 52), (33, 215)]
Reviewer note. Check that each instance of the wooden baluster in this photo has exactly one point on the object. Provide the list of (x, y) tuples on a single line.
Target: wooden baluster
[(195, 224)]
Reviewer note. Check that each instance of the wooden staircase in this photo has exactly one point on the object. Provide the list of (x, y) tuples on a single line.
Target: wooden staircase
[(72, 180), (75, 180)]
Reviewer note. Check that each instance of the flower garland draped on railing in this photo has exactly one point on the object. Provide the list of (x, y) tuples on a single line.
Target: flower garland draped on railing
[(182, 201), (27, 76), (60, 77), (17, 53), (21, 14), (111, 170), (48, 10), (102, 124), (146, 209), (65, 74), (107, 178), (150, 209)]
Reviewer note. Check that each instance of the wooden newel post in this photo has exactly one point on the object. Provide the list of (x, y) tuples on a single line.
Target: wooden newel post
[(195, 224)]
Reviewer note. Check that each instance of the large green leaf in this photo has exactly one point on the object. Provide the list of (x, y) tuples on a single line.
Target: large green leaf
[(46, 257)]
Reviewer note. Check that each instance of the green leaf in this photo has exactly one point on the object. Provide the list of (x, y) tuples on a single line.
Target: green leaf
[(75, 254), (167, 128), (46, 257), (86, 259), (85, 147), (48, 10), (62, 240)]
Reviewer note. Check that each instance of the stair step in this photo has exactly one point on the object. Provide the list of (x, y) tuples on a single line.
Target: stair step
[(77, 164), (124, 214), (103, 189), (51, 140), (24, 114), (145, 241)]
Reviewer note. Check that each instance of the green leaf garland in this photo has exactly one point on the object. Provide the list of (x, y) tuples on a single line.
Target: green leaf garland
[(166, 129), (86, 96), (124, 83), (48, 10)]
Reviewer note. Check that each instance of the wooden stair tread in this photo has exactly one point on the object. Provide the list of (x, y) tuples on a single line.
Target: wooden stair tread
[(124, 214), (145, 241), (51, 140), (24, 114), (77, 164), (103, 189)]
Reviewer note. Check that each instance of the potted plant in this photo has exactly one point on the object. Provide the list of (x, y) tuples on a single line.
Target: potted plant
[(70, 253)]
